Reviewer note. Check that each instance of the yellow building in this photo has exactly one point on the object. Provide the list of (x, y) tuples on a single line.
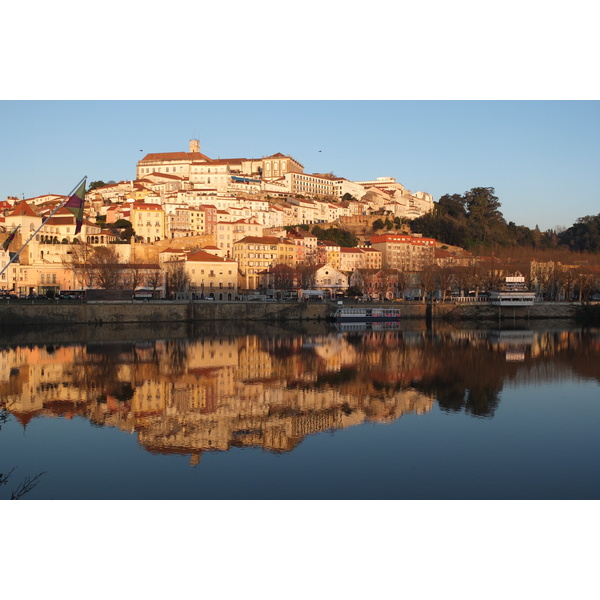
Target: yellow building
[(404, 252), (148, 221), (255, 254), (212, 276)]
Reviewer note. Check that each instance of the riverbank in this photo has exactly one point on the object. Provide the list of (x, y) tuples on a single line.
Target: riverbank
[(147, 313)]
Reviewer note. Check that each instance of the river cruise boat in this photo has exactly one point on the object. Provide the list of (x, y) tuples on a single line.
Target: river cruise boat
[(357, 326), (364, 314), (513, 293)]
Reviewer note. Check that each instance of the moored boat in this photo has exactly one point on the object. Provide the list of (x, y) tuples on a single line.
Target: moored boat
[(365, 314)]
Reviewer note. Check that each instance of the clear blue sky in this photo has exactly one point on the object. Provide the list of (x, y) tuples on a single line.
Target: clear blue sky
[(542, 157)]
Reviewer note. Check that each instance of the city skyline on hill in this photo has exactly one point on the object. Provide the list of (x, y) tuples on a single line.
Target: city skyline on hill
[(541, 157)]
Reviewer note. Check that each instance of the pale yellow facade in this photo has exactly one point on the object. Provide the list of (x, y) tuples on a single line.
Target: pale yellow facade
[(148, 222), (212, 276)]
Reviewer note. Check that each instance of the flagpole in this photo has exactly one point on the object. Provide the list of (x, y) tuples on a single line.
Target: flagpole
[(43, 223)]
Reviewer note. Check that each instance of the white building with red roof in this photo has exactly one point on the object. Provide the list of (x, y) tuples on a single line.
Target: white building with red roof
[(174, 163)]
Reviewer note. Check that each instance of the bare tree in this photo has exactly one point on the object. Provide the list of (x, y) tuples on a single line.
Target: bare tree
[(28, 483), (308, 275), (78, 259), (134, 277), (105, 266), (154, 280), (446, 278), (24, 487), (429, 281), (177, 276)]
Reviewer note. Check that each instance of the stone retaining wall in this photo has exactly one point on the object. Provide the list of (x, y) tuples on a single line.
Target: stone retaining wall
[(22, 313)]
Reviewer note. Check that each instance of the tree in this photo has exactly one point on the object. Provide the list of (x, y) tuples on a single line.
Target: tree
[(483, 210), (354, 290), (154, 280), (28, 483), (378, 224), (307, 276), (134, 277), (338, 236), (95, 184), (429, 281), (583, 236), (78, 259), (122, 224), (105, 266), (177, 276), (452, 205)]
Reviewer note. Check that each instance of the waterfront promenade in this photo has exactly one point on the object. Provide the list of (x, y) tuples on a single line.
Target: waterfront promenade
[(24, 313)]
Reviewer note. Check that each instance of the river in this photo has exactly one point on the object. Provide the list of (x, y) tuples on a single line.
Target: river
[(313, 412)]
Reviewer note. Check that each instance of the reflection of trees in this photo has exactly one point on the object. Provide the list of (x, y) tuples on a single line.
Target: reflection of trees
[(466, 377), (177, 357), (271, 391)]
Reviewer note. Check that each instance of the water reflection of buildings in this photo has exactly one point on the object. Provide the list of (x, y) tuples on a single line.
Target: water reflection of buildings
[(268, 392), (514, 343)]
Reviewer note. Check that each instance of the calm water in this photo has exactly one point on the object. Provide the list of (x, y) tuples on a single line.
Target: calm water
[(316, 413)]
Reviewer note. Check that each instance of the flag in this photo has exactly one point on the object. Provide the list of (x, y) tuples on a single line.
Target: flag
[(9, 239), (75, 206)]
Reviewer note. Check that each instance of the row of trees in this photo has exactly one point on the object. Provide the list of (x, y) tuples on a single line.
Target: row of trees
[(101, 266), (551, 280)]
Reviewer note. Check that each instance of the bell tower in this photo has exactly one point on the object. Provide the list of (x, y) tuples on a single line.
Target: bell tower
[(194, 145)]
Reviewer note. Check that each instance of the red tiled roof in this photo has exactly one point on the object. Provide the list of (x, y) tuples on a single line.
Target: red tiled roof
[(202, 256), (60, 220), (23, 209), (163, 175), (144, 206), (164, 156), (252, 239)]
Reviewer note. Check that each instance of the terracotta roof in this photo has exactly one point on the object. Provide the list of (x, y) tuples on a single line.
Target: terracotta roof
[(164, 156), (60, 220), (224, 161), (144, 206), (202, 256), (163, 175), (252, 239), (23, 209)]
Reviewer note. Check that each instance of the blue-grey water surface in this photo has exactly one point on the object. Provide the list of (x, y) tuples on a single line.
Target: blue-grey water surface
[(313, 414)]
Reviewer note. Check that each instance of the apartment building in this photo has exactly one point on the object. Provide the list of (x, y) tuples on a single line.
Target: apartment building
[(329, 252), (212, 276), (306, 243), (229, 232), (148, 221), (404, 252), (359, 258), (255, 254), (309, 185)]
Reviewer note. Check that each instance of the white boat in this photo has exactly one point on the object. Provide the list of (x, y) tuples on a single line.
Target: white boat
[(351, 326), (365, 314)]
